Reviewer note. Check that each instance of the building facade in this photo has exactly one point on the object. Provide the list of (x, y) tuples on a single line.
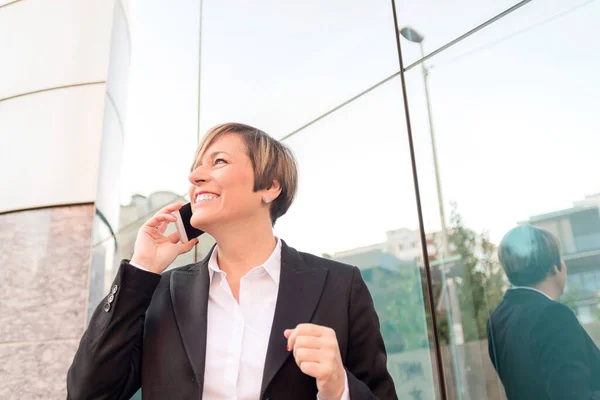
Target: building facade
[(64, 68), (578, 230)]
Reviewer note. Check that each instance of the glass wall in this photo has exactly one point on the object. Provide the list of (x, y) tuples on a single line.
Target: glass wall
[(507, 136), (360, 195), (500, 99), (150, 128)]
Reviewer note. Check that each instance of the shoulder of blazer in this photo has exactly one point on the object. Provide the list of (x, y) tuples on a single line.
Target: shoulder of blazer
[(165, 277), (334, 267), (558, 315)]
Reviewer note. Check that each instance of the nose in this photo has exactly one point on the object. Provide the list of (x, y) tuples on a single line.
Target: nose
[(198, 175)]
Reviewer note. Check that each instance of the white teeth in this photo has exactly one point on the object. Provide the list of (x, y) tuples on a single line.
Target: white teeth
[(205, 197)]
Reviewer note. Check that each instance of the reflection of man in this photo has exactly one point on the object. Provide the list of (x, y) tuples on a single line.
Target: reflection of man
[(536, 344)]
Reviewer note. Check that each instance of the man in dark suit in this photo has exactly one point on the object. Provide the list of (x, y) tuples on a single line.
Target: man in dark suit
[(536, 344)]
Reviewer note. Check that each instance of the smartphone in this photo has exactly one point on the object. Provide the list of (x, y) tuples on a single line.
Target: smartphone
[(186, 231)]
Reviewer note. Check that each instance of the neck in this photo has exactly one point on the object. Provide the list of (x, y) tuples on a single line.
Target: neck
[(244, 245), (549, 288)]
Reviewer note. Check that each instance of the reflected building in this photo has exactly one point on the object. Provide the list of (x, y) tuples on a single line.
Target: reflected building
[(578, 230), (391, 268), (400, 252), (403, 243)]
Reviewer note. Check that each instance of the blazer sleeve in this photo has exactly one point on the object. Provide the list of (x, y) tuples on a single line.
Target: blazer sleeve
[(107, 364), (366, 363), (562, 347)]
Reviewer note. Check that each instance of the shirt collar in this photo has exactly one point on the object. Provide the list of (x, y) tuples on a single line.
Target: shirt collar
[(534, 289), (272, 265)]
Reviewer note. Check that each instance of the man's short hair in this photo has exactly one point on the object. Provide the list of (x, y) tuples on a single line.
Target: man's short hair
[(528, 254)]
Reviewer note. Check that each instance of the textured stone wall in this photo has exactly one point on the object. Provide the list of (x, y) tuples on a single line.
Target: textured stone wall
[(44, 258)]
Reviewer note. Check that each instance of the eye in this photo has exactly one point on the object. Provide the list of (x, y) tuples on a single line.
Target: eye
[(220, 161)]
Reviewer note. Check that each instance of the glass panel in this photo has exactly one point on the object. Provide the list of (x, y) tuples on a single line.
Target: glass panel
[(440, 22), (586, 229), (161, 124), (515, 127), (589, 281), (102, 261), (356, 186), (150, 130), (279, 64)]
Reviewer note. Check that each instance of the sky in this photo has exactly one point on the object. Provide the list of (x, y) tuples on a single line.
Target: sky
[(513, 106)]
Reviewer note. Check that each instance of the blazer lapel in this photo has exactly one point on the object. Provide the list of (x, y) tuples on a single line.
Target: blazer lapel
[(300, 288), (189, 294)]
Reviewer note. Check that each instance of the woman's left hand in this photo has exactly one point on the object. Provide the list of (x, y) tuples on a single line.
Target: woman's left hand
[(317, 353)]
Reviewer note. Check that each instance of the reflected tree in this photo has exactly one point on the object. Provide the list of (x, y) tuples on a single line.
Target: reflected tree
[(572, 296), (482, 281), (398, 300)]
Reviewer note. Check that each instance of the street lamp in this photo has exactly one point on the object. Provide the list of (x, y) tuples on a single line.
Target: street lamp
[(452, 304), (413, 36)]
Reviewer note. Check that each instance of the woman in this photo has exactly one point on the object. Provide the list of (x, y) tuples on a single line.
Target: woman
[(255, 319)]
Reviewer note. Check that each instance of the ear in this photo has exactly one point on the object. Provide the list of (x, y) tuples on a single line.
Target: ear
[(269, 195)]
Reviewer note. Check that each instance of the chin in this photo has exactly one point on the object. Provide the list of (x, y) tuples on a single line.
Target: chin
[(198, 223), (203, 222)]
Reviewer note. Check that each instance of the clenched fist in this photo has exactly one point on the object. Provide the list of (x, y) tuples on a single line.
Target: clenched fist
[(317, 353)]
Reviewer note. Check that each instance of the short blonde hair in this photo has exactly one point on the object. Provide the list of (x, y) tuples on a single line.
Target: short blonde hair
[(271, 160)]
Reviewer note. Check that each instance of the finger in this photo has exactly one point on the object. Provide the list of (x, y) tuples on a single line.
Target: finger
[(310, 329), (324, 348), (174, 237), (154, 232), (304, 330), (185, 247), (162, 227), (313, 369), (309, 342), (170, 208), (287, 333), (291, 340), (158, 219), (311, 355)]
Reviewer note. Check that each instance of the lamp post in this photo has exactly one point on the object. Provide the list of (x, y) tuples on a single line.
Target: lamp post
[(413, 36), (450, 297)]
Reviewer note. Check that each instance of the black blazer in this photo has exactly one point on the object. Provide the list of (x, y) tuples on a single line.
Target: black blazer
[(540, 350), (153, 333)]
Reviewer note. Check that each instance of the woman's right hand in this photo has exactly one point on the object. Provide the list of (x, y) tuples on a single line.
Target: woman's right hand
[(153, 250)]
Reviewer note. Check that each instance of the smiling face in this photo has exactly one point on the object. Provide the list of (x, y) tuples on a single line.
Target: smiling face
[(222, 185), (240, 174)]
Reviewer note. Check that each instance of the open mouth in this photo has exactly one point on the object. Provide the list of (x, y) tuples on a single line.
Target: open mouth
[(205, 197)]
